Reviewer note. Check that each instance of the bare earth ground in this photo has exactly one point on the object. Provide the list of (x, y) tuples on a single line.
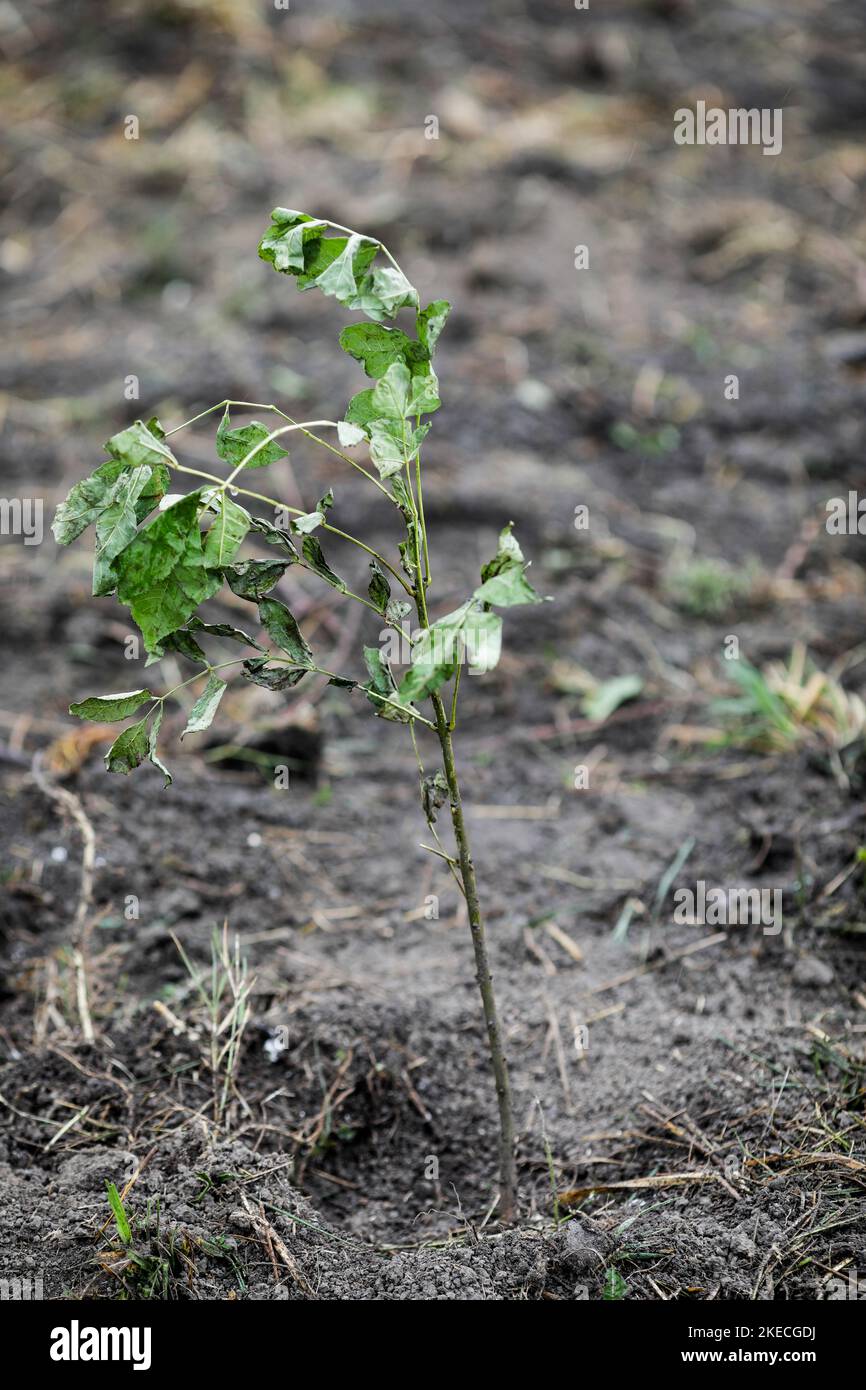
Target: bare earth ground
[(728, 1058)]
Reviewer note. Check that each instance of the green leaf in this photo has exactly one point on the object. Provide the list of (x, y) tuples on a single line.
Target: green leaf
[(162, 576), (379, 590), (140, 444), (377, 347), (108, 709), (315, 560), (609, 695), (274, 536), (360, 411), (151, 747), (117, 524), (234, 445), (431, 321), (202, 713), (382, 683), (121, 1220), (252, 579), (273, 677), (86, 501), (226, 534), (282, 628), (129, 750), (435, 655), (482, 634)]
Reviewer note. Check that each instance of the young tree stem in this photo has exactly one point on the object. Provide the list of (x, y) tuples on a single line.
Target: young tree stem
[(507, 1164)]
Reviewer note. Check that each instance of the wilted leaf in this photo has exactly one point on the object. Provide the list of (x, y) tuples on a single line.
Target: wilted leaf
[(129, 749), (234, 634), (507, 589), (108, 709), (431, 321), (482, 634), (303, 525), (181, 641), (274, 536), (315, 560), (349, 434), (379, 591), (151, 747), (508, 553), (504, 582), (396, 610), (252, 579), (273, 677), (202, 713), (609, 695), (283, 629), (283, 243), (382, 683), (391, 393), (434, 794)]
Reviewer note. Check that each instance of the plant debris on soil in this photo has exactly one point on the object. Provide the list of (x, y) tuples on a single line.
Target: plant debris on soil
[(689, 1095)]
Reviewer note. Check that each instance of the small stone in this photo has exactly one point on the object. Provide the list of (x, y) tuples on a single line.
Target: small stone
[(811, 972)]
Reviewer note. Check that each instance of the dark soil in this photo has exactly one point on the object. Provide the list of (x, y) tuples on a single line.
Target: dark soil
[(727, 1060)]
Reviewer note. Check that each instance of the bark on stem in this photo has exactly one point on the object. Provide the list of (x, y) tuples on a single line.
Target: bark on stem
[(507, 1164)]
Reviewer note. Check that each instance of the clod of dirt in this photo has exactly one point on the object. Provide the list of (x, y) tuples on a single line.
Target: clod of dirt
[(582, 1248)]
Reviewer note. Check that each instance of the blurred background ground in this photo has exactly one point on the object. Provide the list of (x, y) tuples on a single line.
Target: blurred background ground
[(734, 1057)]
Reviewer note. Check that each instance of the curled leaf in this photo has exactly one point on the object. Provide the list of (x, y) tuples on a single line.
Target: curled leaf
[(202, 713), (252, 579), (281, 626), (273, 677), (129, 749)]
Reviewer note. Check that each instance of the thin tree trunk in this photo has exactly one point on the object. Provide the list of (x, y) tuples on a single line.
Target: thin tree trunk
[(507, 1164)]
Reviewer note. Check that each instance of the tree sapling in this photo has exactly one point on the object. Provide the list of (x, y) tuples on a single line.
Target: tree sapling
[(164, 556)]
